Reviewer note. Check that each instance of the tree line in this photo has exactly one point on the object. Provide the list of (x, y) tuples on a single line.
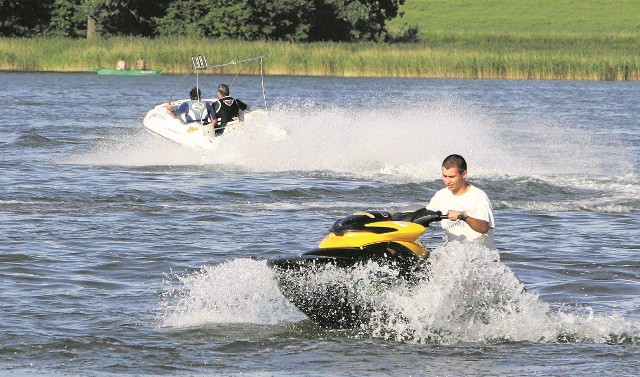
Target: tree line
[(283, 20)]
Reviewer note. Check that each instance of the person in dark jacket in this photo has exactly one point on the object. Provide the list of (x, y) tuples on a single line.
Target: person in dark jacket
[(226, 108)]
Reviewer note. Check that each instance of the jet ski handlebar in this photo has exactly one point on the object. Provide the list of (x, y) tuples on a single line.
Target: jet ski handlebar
[(359, 221), (421, 216)]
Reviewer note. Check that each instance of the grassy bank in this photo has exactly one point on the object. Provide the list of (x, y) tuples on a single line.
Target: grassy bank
[(551, 17), (445, 55), (524, 39)]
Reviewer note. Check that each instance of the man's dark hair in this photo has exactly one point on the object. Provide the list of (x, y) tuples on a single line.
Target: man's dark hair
[(455, 160), (195, 93), (223, 89)]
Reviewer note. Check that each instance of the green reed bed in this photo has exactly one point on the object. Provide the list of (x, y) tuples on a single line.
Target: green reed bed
[(446, 55)]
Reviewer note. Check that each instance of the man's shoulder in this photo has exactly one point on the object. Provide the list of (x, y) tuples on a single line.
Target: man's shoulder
[(442, 193), (477, 194), (475, 190), (228, 100)]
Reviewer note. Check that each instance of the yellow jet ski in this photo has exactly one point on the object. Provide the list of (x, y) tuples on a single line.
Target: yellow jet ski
[(390, 240)]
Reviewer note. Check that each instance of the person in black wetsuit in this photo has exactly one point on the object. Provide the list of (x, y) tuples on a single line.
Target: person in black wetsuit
[(226, 108)]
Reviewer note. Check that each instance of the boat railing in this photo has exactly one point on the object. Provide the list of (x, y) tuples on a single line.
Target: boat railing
[(200, 63)]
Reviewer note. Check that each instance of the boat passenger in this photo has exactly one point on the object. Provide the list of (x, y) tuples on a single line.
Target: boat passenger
[(226, 108), (121, 65), (140, 64), (193, 110), (469, 211)]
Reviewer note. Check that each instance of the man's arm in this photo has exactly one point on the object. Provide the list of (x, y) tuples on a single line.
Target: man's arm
[(478, 225), (182, 109), (170, 110), (211, 114)]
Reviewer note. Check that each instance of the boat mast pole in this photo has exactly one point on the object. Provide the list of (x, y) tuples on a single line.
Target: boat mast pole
[(199, 62), (264, 96)]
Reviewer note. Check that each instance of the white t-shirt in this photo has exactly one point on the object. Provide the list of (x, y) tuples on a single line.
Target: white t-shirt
[(475, 203)]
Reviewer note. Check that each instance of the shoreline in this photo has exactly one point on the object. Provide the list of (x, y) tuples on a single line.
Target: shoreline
[(635, 78), (452, 56)]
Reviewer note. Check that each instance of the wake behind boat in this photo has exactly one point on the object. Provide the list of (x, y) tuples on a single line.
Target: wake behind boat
[(200, 132)]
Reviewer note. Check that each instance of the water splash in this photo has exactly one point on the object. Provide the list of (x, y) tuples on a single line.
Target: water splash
[(237, 291), (552, 166), (468, 296), (406, 145)]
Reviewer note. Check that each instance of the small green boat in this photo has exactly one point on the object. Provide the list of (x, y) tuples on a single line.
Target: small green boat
[(127, 72)]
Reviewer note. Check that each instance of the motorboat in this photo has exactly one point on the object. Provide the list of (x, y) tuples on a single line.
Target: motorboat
[(200, 134), (194, 134), (390, 241)]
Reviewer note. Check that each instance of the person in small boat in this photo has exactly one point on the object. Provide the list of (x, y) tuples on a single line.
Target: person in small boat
[(140, 64), (193, 110), (121, 65), (469, 211), (226, 108)]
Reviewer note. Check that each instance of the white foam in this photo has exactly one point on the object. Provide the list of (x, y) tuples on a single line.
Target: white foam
[(470, 296), (405, 145), (237, 291)]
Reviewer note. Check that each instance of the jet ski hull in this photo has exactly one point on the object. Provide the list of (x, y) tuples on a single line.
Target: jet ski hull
[(320, 283), (336, 286)]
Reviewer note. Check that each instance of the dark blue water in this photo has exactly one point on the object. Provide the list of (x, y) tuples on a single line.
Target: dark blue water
[(124, 254)]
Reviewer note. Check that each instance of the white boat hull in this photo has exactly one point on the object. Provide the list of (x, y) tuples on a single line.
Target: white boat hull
[(195, 135)]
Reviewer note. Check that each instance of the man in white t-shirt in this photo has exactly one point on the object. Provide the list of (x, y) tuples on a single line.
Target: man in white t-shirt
[(468, 209)]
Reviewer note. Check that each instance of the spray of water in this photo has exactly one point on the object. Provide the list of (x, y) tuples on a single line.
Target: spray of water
[(406, 145), (238, 291), (468, 295)]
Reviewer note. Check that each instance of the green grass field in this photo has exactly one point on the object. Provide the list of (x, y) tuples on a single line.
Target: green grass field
[(522, 17), (475, 39)]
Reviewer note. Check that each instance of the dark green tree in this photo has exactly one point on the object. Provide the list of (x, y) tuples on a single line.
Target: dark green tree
[(262, 19), (352, 20), (185, 18), (293, 20), (68, 20), (133, 17), (24, 18), (75, 18), (237, 19)]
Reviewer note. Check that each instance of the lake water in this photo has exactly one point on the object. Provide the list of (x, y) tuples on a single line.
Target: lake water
[(124, 254)]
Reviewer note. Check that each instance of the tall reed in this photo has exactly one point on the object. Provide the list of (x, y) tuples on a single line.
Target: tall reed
[(445, 55)]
